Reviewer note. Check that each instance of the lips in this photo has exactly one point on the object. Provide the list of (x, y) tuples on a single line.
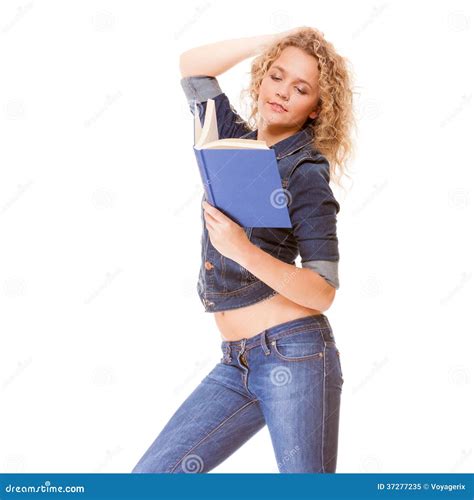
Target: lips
[(278, 106)]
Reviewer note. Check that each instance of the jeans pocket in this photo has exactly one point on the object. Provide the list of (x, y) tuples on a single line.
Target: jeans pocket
[(335, 355), (299, 346)]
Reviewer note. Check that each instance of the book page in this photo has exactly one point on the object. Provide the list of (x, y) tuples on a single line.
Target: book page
[(209, 132)]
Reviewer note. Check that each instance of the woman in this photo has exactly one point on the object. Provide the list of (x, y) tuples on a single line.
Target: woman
[(280, 364)]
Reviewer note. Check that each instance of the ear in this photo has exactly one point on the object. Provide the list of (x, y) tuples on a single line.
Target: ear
[(314, 114)]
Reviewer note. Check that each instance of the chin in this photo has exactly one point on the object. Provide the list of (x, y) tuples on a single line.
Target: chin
[(273, 119)]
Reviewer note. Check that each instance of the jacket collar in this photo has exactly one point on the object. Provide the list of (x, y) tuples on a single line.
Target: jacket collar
[(290, 144)]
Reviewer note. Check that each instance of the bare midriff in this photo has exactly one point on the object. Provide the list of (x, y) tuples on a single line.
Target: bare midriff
[(246, 322)]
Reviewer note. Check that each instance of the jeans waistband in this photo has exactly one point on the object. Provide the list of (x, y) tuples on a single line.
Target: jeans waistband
[(279, 331)]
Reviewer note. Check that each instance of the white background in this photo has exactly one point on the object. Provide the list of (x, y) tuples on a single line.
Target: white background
[(102, 332)]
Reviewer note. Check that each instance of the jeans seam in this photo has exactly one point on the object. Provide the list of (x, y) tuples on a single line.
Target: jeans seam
[(323, 431), (241, 291), (309, 357), (213, 431), (244, 383)]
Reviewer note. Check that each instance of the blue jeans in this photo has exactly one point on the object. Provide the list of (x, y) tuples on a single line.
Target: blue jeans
[(287, 377)]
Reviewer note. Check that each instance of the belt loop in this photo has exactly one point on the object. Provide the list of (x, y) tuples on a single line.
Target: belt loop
[(242, 346), (263, 343), (228, 354)]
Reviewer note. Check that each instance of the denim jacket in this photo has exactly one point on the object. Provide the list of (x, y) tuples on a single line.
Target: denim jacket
[(223, 283)]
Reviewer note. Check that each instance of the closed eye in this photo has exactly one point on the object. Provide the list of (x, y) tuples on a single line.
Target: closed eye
[(278, 79)]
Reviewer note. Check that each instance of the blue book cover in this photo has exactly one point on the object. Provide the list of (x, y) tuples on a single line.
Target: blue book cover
[(240, 176)]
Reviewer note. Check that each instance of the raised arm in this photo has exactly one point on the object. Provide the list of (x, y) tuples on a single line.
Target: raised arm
[(215, 58)]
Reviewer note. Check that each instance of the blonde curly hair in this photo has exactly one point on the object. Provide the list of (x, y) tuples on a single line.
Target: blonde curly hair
[(335, 121)]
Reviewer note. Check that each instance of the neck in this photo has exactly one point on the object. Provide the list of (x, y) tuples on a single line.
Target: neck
[(272, 134)]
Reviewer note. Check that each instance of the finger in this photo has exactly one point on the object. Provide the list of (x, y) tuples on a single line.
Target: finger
[(209, 217), (214, 212), (209, 221)]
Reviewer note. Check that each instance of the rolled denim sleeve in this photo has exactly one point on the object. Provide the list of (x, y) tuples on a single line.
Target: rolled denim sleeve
[(313, 212), (198, 89), (326, 268)]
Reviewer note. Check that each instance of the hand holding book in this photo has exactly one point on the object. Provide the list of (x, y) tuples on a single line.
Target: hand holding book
[(226, 236)]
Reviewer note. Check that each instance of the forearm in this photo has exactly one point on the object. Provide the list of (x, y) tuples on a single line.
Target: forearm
[(216, 58), (303, 286)]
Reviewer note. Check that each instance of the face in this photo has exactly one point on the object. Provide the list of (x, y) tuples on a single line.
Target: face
[(292, 82)]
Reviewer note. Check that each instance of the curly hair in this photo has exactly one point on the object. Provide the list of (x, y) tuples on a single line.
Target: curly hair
[(335, 121)]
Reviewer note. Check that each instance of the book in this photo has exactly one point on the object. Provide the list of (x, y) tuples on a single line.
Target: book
[(240, 176)]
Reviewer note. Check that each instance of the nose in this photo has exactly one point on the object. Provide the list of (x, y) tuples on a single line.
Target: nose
[(282, 95)]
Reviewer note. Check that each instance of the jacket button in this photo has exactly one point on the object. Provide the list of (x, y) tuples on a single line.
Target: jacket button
[(208, 265)]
